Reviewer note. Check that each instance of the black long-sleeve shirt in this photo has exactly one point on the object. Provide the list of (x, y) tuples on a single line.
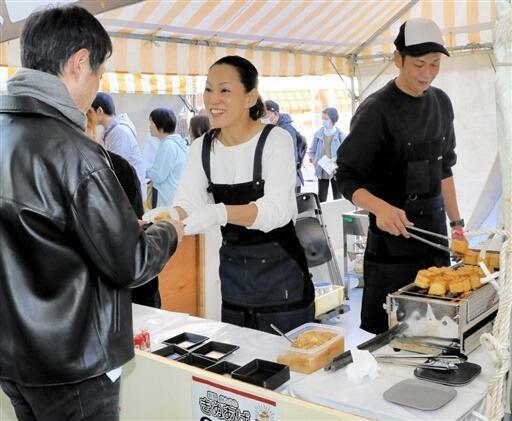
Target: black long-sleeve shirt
[(374, 154)]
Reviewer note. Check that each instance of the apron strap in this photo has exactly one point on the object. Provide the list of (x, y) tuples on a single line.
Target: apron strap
[(258, 154), (205, 156)]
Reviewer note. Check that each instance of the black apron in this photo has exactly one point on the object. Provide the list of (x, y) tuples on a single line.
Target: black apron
[(264, 276), (392, 262)]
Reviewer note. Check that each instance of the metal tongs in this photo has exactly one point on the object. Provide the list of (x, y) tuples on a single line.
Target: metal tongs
[(430, 243), (433, 362)]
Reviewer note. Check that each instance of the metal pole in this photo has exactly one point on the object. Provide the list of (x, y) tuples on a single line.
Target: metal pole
[(386, 25), (375, 78), (350, 89), (353, 96)]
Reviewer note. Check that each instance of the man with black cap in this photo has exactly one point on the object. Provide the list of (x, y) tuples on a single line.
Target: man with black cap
[(284, 121), (396, 163)]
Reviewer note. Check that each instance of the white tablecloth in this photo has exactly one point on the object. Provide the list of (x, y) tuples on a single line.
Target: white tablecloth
[(330, 389)]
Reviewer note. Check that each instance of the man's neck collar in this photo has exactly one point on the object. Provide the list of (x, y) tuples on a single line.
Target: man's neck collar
[(402, 87)]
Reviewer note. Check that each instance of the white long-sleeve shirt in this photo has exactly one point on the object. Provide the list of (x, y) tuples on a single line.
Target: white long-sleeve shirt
[(234, 165)]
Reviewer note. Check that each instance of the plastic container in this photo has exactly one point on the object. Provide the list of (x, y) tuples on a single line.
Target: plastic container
[(215, 350), (186, 340), (172, 352), (322, 288), (224, 368), (196, 360), (263, 373), (306, 359), (329, 301)]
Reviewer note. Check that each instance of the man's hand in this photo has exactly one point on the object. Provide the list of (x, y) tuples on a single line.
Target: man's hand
[(206, 218), (393, 220)]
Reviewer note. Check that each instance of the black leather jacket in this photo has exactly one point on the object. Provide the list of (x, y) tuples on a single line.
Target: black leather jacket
[(70, 246)]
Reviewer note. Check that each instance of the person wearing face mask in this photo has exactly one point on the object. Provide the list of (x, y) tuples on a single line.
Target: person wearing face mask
[(240, 176), (397, 163), (322, 153)]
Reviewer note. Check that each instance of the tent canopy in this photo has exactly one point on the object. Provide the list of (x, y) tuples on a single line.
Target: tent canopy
[(282, 38)]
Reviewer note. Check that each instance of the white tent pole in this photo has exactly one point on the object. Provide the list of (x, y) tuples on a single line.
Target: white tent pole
[(469, 48), (353, 57), (382, 70), (188, 105), (206, 43), (379, 31), (351, 89), (353, 96)]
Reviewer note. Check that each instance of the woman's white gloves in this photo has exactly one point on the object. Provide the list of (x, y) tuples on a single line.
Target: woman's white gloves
[(206, 218)]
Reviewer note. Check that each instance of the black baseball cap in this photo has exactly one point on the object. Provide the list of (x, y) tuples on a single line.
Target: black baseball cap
[(272, 106), (420, 36)]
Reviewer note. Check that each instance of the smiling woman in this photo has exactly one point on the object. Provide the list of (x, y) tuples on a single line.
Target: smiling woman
[(231, 99), (241, 176)]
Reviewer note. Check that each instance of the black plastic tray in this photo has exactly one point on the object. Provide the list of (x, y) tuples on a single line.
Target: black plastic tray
[(460, 377), (217, 347), (263, 373), (172, 352), (196, 360), (186, 337), (223, 367)]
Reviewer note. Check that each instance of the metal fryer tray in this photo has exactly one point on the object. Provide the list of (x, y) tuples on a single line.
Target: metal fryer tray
[(484, 299), (416, 291), (478, 301)]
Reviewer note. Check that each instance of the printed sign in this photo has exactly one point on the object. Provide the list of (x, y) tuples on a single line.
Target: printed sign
[(215, 402)]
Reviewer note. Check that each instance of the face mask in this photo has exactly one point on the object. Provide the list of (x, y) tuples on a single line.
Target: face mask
[(326, 124), (265, 120)]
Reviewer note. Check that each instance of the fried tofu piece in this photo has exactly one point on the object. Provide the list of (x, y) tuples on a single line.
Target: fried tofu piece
[(436, 270), (459, 246), (459, 284), (494, 260), (471, 257), (437, 287), (423, 278), (474, 278)]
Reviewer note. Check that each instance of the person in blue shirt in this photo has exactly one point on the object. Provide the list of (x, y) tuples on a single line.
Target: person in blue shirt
[(165, 173)]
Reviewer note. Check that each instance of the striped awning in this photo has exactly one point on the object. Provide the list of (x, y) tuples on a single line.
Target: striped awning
[(143, 83), (126, 83), (282, 38), (294, 101)]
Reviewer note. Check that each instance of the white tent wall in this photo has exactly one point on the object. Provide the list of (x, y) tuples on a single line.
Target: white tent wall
[(469, 81), (138, 107)]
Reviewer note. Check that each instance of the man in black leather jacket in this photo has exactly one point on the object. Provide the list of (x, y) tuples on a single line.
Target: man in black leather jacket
[(71, 245)]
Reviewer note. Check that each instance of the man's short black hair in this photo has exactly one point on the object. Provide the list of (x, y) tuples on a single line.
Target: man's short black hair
[(106, 103), (164, 119), (51, 36)]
